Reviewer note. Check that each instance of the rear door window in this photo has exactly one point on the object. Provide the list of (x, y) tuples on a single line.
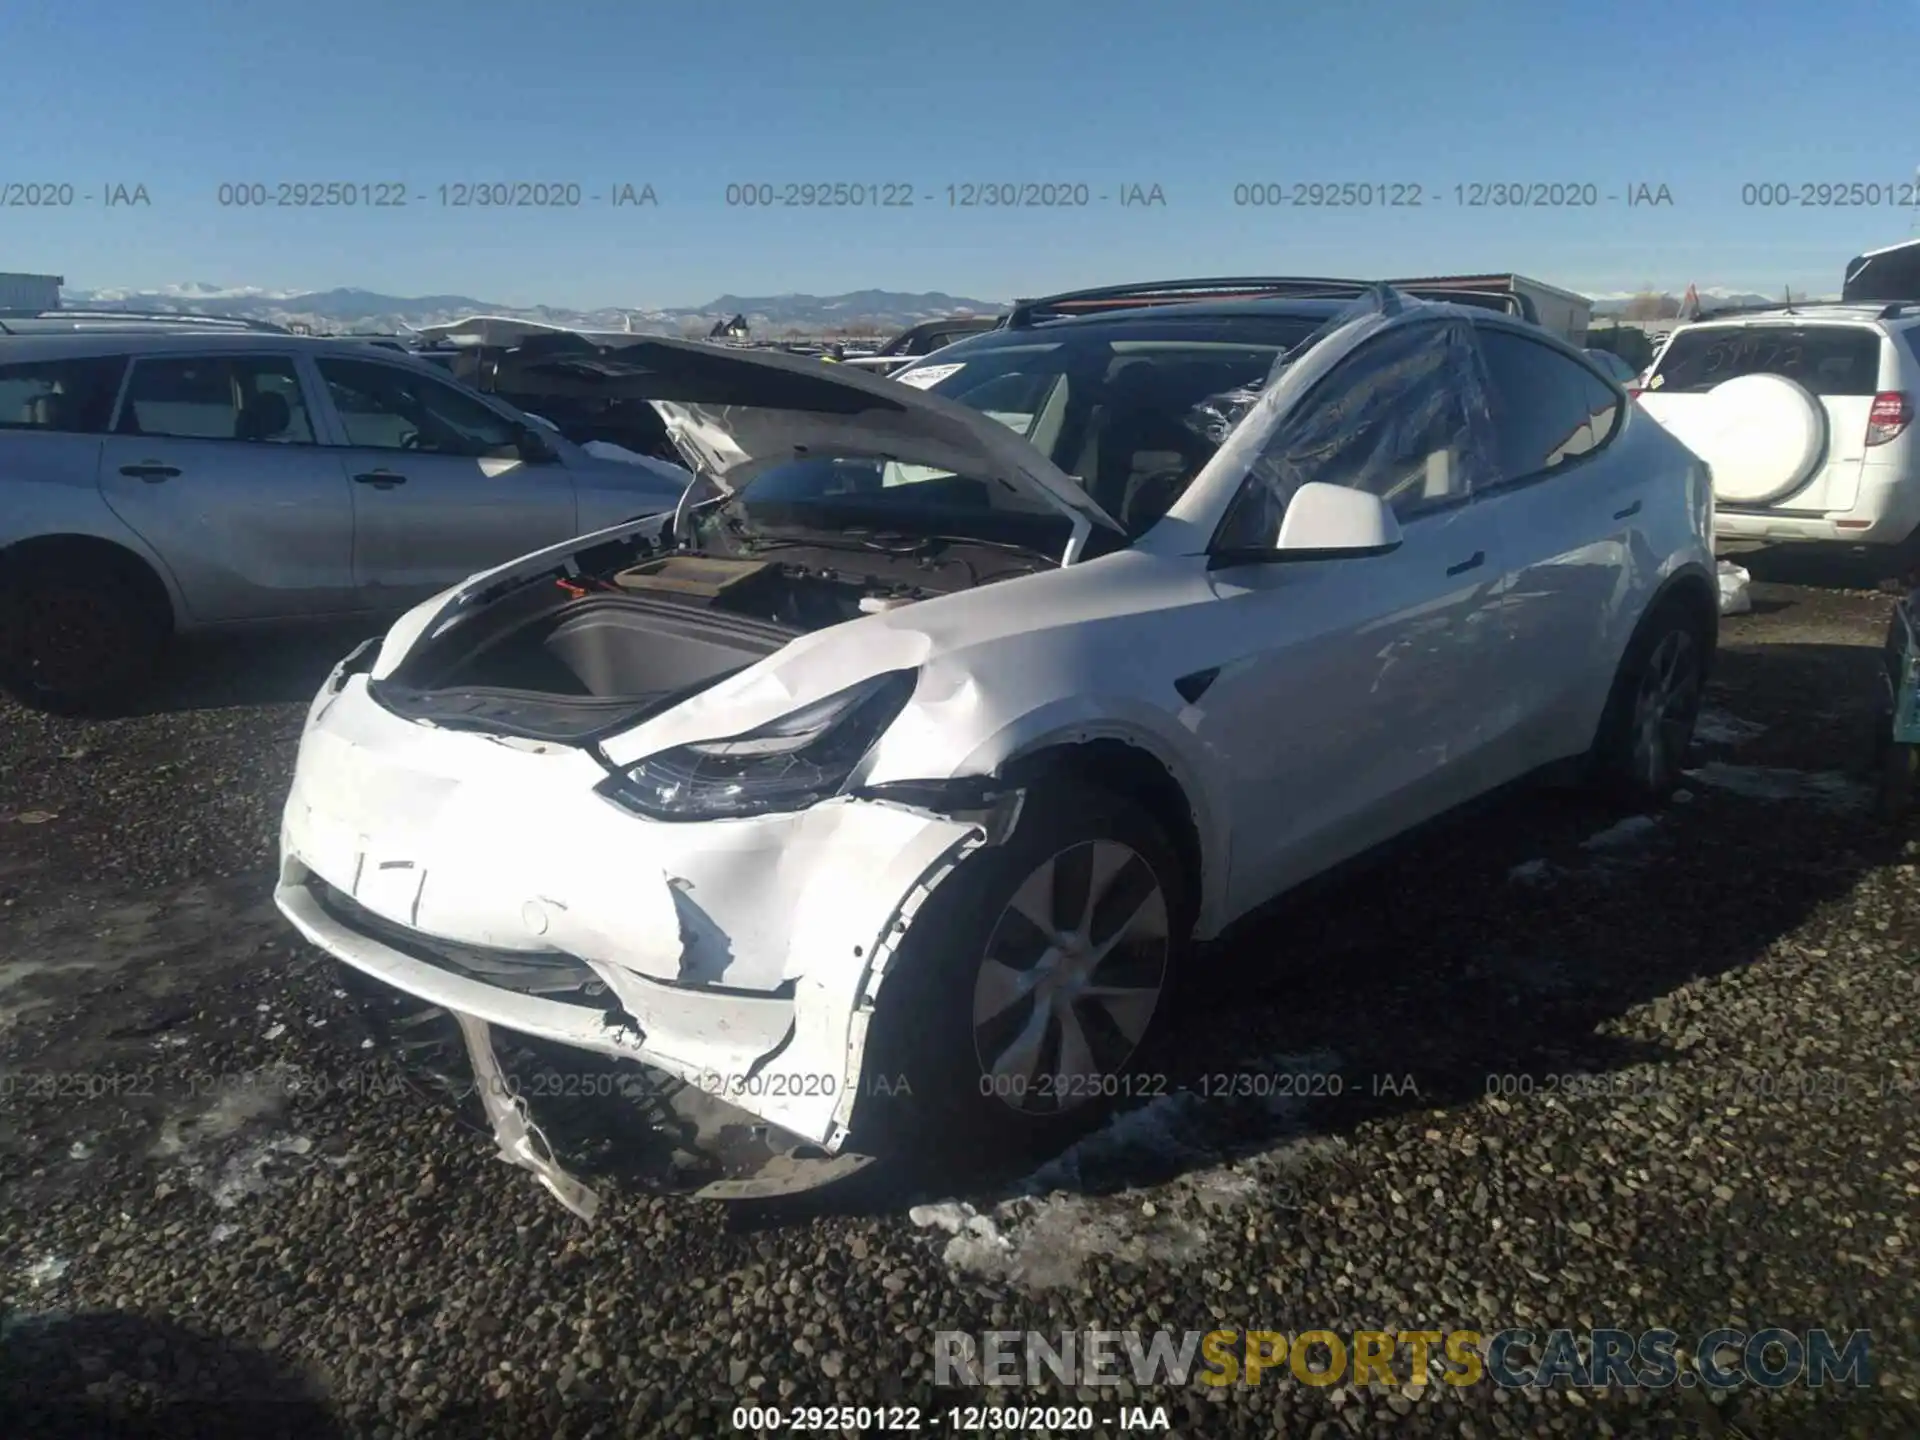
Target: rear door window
[(217, 397), (1543, 403), (1831, 360)]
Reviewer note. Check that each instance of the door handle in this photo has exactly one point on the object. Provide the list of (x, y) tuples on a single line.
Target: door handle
[(151, 471), (1473, 562), (1628, 513), (380, 479)]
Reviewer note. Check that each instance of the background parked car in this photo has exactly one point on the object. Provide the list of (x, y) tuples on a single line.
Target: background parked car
[(183, 477), (923, 339), (1805, 415)]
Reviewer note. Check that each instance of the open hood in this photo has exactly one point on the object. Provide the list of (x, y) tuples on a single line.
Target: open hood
[(734, 411)]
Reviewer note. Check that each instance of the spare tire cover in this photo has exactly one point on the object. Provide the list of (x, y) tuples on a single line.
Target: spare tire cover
[(1763, 436)]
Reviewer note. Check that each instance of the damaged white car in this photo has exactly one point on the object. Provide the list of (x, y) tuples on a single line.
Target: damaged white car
[(889, 786)]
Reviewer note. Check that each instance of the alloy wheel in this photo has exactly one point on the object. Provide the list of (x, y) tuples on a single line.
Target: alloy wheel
[(1070, 977), (1664, 709)]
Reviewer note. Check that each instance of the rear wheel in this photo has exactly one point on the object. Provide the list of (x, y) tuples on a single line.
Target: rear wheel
[(76, 638), (1025, 993), (1899, 774), (1642, 745)]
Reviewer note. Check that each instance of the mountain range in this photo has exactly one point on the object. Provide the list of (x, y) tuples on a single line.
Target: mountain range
[(863, 312), (369, 311), (1711, 296)]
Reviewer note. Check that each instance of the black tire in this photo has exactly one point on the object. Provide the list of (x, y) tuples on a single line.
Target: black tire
[(1899, 777), (1669, 653), (76, 637), (927, 1087)]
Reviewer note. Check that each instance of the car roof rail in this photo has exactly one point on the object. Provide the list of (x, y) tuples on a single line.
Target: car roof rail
[(1879, 309), (215, 322), (1026, 313)]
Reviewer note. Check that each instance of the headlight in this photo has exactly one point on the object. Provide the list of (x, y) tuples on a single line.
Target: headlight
[(788, 764)]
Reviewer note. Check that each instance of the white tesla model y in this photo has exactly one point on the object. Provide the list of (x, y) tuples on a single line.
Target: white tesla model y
[(951, 711)]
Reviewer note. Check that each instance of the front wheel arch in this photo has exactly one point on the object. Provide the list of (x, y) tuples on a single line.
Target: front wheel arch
[(1688, 601)]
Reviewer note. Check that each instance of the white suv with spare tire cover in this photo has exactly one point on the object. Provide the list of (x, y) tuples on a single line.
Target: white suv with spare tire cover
[(1805, 418)]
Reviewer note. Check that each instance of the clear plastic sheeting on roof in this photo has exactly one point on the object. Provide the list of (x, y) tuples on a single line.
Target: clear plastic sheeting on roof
[(1407, 416), (1217, 416)]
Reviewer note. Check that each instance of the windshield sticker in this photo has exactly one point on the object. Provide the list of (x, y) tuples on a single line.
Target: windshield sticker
[(925, 377)]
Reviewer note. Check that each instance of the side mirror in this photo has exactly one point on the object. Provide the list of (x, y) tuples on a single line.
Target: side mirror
[(1330, 520), (533, 446)]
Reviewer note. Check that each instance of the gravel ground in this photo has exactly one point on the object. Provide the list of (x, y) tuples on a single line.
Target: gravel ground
[(223, 1206)]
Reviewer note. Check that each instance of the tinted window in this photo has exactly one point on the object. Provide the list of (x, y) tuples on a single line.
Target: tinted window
[(59, 394), (1393, 419), (253, 397), (1603, 408), (1613, 364), (1542, 403), (1827, 359), (383, 407)]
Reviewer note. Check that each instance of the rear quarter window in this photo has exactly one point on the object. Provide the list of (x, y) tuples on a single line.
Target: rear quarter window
[(68, 395), (1832, 360)]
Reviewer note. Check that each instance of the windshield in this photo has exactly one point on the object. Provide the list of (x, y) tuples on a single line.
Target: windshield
[(1132, 409)]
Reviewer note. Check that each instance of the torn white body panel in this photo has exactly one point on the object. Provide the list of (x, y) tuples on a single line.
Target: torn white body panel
[(520, 1140), (739, 951)]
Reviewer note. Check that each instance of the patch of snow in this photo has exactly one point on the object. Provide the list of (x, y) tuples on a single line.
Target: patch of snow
[(274, 1032), (1046, 1244), (1622, 834), (47, 1270), (1149, 1133), (1736, 589), (1761, 782), (1717, 727), (1531, 872), (1045, 1237), (246, 1173), (78, 1150)]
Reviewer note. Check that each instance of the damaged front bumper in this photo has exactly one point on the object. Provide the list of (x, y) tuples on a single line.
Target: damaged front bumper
[(486, 877)]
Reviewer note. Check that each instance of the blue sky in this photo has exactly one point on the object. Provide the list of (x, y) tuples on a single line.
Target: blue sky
[(1702, 97)]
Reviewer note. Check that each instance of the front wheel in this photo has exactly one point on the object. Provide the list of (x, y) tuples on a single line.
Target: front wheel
[(1642, 745), (1023, 997)]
